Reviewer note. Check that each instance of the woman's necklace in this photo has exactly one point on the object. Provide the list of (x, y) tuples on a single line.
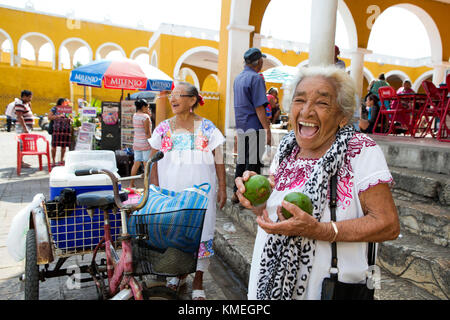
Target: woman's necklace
[(187, 125)]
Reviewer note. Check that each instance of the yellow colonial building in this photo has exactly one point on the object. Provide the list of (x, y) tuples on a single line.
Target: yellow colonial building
[(206, 58)]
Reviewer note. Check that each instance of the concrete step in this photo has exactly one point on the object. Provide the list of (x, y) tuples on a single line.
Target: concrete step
[(429, 221), (423, 263), (235, 248), (422, 185), (396, 288), (426, 155), (419, 154), (239, 215)]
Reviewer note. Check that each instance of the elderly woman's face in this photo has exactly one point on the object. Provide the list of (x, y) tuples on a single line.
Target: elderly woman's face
[(180, 100), (315, 114)]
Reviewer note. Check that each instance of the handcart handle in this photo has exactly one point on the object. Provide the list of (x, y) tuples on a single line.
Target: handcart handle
[(86, 172), (115, 182)]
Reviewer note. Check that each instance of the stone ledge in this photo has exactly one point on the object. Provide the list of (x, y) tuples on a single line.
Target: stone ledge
[(426, 184), (425, 264), (432, 222), (235, 248), (395, 288)]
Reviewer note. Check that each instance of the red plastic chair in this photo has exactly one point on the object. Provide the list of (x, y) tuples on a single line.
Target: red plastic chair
[(27, 145), (387, 118), (444, 131), (432, 109)]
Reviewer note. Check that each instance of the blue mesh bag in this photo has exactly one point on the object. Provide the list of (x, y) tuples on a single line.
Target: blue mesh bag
[(167, 231)]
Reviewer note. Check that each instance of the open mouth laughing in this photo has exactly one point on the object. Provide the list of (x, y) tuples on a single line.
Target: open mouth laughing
[(307, 129)]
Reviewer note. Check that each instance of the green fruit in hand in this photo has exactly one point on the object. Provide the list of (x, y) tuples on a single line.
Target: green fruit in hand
[(257, 190), (300, 200)]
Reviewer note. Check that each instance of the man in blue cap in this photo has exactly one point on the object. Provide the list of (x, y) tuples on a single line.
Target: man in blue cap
[(249, 109)]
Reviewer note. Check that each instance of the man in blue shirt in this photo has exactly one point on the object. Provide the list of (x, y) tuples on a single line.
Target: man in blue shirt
[(249, 109)]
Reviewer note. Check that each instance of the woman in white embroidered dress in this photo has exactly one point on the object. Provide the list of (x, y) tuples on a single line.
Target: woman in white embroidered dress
[(292, 257), (192, 156)]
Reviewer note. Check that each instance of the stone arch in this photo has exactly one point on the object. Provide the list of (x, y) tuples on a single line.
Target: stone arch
[(304, 63), (402, 75), (191, 52), (349, 23), (107, 47), (211, 75), (37, 43), (138, 51), (431, 28), (154, 59), (270, 61), (184, 72), (4, 36), (396, 78), (368, 75), (342, 8), (416, 85), (75, 49)]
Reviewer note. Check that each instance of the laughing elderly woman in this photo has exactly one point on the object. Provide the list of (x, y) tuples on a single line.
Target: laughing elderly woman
[(292, 257)]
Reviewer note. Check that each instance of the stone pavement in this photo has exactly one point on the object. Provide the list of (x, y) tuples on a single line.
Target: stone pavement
[(17, 191)]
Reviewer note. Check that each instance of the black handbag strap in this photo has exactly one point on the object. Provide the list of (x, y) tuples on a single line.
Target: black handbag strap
[(333, 204)]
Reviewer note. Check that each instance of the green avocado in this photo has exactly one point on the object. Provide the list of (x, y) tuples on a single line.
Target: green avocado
[(300, 200), (257, 190)]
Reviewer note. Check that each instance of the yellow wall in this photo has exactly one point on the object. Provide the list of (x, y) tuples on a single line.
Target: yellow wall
[(210, 84), (47, 85), (59, 29)]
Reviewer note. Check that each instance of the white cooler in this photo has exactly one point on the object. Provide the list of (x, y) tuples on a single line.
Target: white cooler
[(64, 177)]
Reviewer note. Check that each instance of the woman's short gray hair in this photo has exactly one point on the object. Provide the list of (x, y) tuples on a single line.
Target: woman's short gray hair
[(344, 84)]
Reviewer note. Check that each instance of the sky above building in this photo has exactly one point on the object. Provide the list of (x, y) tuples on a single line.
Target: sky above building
[(396, 32)]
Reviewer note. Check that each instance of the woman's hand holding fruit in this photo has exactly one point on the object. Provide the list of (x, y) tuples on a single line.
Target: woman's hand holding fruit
[(254, 194), (301, 223)]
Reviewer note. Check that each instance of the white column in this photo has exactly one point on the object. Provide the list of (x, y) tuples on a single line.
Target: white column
[(439, 70), (238, 42), (356, 72), (357, 67), (257, 40), (323, 31)]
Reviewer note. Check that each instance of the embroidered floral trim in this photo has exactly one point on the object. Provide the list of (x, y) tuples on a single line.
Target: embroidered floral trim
[(201, 143), (163, 128), (293, 173), (198, 141), (166, 144), (389, 181), (206, 249)]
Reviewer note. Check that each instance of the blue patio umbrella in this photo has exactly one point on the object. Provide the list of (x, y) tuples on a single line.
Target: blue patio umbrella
[(280, 74)]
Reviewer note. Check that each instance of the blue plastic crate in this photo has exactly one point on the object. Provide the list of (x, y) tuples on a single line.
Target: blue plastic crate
[(77, 232)]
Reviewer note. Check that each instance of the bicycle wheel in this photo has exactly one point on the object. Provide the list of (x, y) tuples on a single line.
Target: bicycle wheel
[(159, 293), (31, 267)]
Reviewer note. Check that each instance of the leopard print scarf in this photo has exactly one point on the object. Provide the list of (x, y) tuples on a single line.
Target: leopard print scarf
[(285, 258)]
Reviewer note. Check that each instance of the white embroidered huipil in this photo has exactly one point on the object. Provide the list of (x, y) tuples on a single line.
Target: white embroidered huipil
[(365, 167), (188, 160)]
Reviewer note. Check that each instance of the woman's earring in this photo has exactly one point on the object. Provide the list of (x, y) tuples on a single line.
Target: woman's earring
[(191, 110)]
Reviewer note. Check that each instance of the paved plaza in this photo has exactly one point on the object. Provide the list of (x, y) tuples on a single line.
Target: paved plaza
[(17, 191)]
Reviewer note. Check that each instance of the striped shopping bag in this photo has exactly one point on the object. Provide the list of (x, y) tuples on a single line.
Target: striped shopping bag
[(171, 219)]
